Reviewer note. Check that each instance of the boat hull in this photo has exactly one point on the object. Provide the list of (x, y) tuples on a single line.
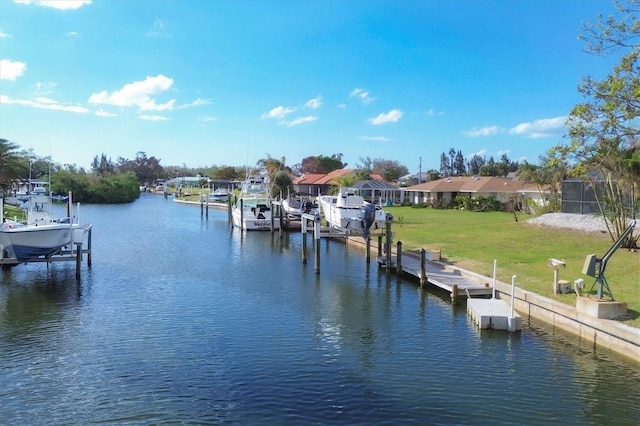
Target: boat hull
[(350, 219), (29, 242), (249, 216)]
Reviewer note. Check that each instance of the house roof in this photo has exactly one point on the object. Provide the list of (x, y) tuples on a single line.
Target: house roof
[(375, 184), (308, 178), (473, 184), (329, 178)]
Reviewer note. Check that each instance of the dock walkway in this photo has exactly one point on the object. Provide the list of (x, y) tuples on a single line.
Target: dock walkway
[(440, 277)]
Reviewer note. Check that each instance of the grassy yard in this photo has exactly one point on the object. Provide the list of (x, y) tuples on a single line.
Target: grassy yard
[(473, 240)]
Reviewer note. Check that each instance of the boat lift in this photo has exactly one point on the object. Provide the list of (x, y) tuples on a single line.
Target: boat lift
[(595, 267)]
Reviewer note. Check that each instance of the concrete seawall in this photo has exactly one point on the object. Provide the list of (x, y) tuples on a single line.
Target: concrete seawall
[(602, 333)]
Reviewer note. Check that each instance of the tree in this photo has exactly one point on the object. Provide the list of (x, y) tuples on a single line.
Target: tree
[(390, 170), (459, 168), (445, 169), (475, 164), (12, 165), (604, 130), (102, 166)]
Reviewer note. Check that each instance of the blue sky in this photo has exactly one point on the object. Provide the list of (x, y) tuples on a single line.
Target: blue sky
[(203, 83)]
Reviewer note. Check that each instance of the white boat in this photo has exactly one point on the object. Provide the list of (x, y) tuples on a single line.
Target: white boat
[(298, 203), (349, 212), (41, 234), (252, 211), (219, 196)]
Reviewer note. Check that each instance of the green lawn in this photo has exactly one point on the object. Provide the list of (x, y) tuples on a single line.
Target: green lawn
[(472, 241)]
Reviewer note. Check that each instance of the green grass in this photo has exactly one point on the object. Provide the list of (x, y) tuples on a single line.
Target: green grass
[(472, 240)]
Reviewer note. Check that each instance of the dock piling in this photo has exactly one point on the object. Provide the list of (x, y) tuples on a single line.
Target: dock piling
[(423, 267), (399, 258)]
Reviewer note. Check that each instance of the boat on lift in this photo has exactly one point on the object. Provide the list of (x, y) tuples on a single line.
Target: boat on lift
[(252, 210), (42, 234), (349, 212)]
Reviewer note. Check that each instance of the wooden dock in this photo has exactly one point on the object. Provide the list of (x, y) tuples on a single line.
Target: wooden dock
[(452, 281)]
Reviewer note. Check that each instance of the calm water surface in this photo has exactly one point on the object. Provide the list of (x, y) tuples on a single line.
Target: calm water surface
[(182, 321)]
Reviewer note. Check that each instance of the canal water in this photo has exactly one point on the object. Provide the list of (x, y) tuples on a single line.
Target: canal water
[(182, 321)]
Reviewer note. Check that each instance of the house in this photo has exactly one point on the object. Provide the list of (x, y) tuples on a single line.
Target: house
[(444, 191), (375, 189)]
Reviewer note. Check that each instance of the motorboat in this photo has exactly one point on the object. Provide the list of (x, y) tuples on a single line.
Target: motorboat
[(349, 212), (298, 203), (220, 195), (42, 234), (253, 209)]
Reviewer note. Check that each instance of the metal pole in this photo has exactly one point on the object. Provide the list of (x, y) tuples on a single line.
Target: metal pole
[(399, 258), (316, 235), (423, 266)]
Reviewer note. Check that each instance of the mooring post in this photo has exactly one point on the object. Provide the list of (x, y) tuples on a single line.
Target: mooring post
[(241, 215), (388, 243), (379, 245), (78, 259), (230, 212), (368, 249), (399, 258), (273, 220), (454, 294), (303, 226), (280, 215), (316, 236), (89, 247), (206, 211), (423, 266)]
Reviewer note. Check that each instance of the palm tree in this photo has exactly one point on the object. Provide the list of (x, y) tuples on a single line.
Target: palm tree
[(12, 165)]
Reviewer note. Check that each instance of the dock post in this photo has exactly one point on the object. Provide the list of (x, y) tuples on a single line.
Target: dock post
[(241, 216), (379, 245), (303, 226), (280, 215), (230, 212), (368, 249), (273, 220), (399, 258), (89, 248), (388, 245), (423, 267), (78, 259), (316, 236), (206, 209), (454, 294)]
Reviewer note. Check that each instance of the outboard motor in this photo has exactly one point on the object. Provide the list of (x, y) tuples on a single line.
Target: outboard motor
[(307, 206), (368, 219)]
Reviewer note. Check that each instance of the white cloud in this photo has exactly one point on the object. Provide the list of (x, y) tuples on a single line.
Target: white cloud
[(433, 112), (72, 34), (278, 112), (314, 103), (158, 29), (301, 120), (374, 138), (153, 118), (542, 128), (4, 35), (391, 117), (56, 4), (103, 113), (137, 94), (10, 70), (44, 103), (482, 131), (362, 94)]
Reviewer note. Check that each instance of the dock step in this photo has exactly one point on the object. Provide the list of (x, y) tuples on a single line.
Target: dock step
[(493, 313)]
